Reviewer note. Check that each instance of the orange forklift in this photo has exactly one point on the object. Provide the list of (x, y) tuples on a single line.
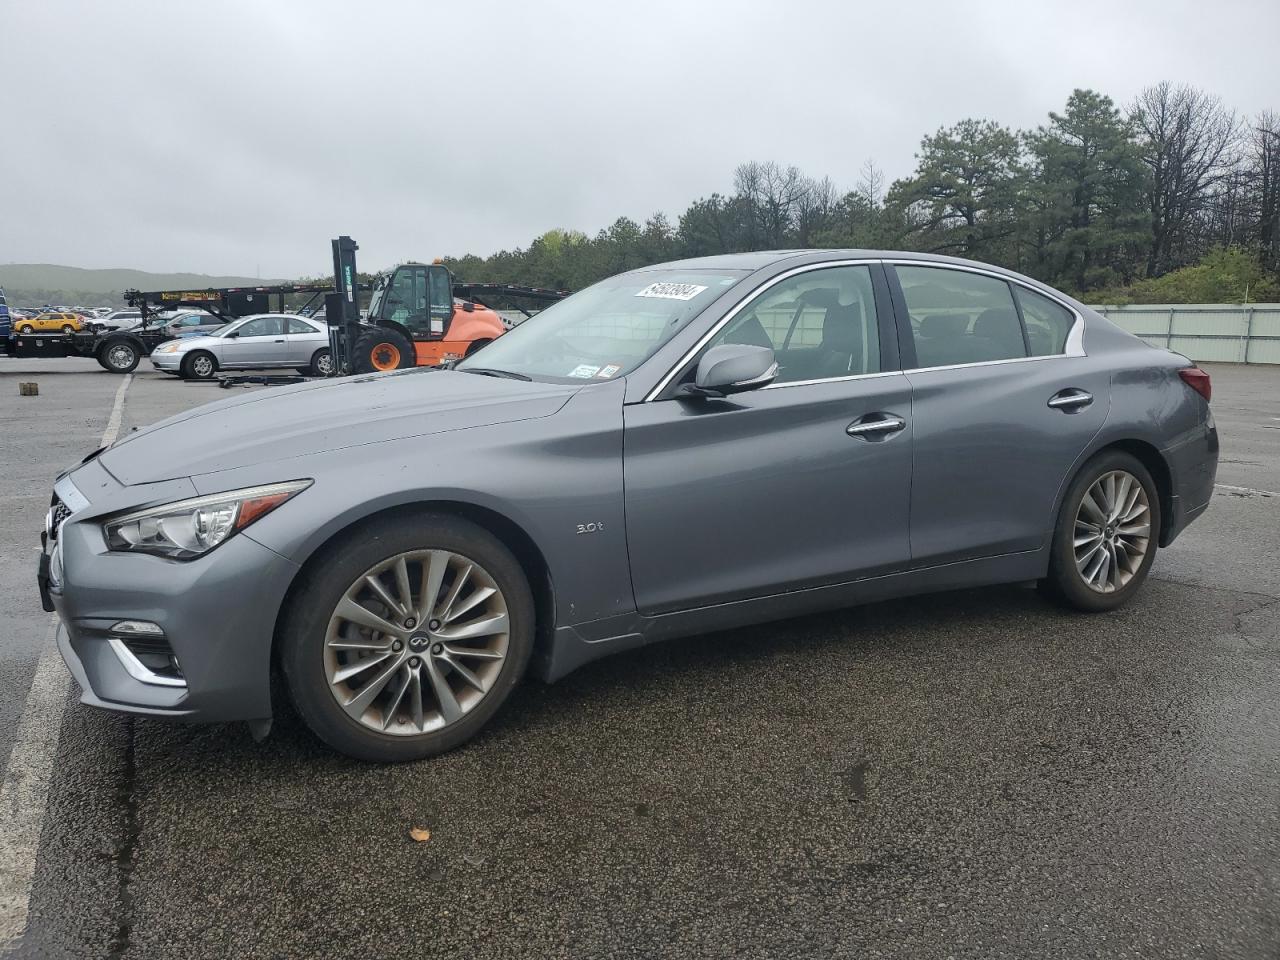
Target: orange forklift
[(419, 315)]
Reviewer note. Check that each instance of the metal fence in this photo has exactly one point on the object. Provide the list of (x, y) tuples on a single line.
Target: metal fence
[(1220, 332)]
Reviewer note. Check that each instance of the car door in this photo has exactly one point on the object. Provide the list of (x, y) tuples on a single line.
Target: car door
[(302, 340), (801, 483), (1003, 404), (258, 342)]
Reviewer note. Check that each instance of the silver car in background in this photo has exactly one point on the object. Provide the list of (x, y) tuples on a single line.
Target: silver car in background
[(261, 342)]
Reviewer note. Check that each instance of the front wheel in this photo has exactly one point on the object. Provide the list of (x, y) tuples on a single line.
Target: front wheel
[(1105, 539), (199, 365), (407, 639), (382, 349), (26, 328)]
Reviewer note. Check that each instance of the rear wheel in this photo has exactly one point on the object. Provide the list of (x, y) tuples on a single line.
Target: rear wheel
[(382, 349), (408, 639), (1105, 540), (199, 365), (68, 328), (119, 356)]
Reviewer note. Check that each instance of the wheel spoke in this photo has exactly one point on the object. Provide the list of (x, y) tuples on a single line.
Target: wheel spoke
[(433, 570), (357, 667), (403, 589), (359, 703), (456, 589), (345, 643), (449, 708), (476, 628), (463, 672), (381, 592), (415, 702), (397, 695), (478, 596), (348, 609), (1090, 506), (475, 653)]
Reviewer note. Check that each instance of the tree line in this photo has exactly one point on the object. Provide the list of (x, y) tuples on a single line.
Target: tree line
[(1173, 196)]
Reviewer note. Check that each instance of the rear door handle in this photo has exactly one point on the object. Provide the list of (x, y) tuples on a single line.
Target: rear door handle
[(1071, 400), (875, 426)]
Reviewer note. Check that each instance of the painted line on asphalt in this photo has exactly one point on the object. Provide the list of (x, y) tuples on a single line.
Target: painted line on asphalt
[(1245, 491), (25, 790)]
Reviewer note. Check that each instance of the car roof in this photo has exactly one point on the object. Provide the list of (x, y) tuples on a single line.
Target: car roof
[(766, 258)]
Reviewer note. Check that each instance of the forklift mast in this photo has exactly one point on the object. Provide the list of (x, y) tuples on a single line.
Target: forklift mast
[(342, 307)]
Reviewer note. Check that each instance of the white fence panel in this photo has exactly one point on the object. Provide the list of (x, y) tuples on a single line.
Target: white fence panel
[(1221, 332)]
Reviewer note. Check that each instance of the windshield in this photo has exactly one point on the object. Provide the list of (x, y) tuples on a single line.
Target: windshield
[(606, 330)]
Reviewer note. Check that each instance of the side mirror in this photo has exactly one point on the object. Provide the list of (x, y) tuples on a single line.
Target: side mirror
[(232, 334), (732, 368)]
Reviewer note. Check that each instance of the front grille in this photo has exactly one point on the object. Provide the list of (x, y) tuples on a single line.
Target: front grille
[(58, 511)]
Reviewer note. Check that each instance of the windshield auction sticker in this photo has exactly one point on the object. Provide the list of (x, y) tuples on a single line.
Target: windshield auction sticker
[(584, 370), (671, 291)]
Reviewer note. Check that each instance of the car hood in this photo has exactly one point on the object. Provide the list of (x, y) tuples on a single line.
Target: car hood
[(284, 422), (192, 342)]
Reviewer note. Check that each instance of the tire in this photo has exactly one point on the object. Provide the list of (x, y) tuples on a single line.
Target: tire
[(68, 328), (26, 328), (382, 349), (476, 345), (119, 356), (199, 365), (313, 669), (321, 364), (1104, 534)]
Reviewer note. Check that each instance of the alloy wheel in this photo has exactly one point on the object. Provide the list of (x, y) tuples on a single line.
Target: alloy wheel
[(1112, 531), (202, 366), (416, 642), (324, 364)]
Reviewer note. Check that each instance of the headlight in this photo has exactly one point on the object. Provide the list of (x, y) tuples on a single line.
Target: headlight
[(190, 528), (167, 348)]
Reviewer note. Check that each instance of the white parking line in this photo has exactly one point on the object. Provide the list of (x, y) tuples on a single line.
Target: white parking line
[(1245, 491), (25, 789)]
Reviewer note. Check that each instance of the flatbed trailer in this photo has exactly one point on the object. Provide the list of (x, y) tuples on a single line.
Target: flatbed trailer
[(120, 351)]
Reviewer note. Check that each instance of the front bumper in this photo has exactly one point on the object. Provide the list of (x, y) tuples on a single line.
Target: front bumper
[(218, 614), (167, 361)]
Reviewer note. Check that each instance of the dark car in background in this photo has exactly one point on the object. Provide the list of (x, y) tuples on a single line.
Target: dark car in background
[(6, 320), (687, 447)]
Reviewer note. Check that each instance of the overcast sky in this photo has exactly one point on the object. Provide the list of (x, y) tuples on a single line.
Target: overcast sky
[(239, 137)]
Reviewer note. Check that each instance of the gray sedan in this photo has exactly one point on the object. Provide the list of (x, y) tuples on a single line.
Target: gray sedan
[(264, 341), (683, 448)]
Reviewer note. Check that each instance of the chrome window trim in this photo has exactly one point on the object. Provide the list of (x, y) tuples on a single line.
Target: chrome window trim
[(852, 376), (737, 308), (1074, 347)]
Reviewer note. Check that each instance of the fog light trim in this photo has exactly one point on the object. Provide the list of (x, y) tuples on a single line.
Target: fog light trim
[(139, 671)]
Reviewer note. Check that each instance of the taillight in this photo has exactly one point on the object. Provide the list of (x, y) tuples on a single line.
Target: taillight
[(1197, 380)]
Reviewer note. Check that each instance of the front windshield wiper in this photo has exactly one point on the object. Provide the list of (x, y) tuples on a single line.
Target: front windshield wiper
[(491, 372)]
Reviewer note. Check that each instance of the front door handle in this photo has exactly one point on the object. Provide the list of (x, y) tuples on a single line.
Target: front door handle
[(279, 341), (1070, 400), (875, 426)]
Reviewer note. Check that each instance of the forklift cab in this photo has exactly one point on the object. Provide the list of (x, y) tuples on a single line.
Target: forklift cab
[(418, 297)]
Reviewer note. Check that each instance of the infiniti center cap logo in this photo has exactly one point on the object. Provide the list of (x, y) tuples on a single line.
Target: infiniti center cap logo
[(419, 643)]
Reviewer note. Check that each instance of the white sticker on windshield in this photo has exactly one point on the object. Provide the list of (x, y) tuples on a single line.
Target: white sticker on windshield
[(608, 370), (584, 370), (671, 291)]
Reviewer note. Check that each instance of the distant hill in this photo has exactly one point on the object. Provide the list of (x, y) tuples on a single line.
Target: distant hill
[(34, 284)]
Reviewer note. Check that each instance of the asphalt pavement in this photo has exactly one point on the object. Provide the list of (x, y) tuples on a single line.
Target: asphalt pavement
[(975, 774)]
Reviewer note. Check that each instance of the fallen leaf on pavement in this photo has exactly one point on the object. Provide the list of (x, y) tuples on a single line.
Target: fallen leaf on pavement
[(421, 834)]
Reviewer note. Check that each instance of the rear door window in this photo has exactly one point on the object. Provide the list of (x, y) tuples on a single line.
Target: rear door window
[(1048, 323), (959, 317)]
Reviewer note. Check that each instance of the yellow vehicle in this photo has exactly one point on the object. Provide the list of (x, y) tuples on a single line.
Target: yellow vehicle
[(50, 323)]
